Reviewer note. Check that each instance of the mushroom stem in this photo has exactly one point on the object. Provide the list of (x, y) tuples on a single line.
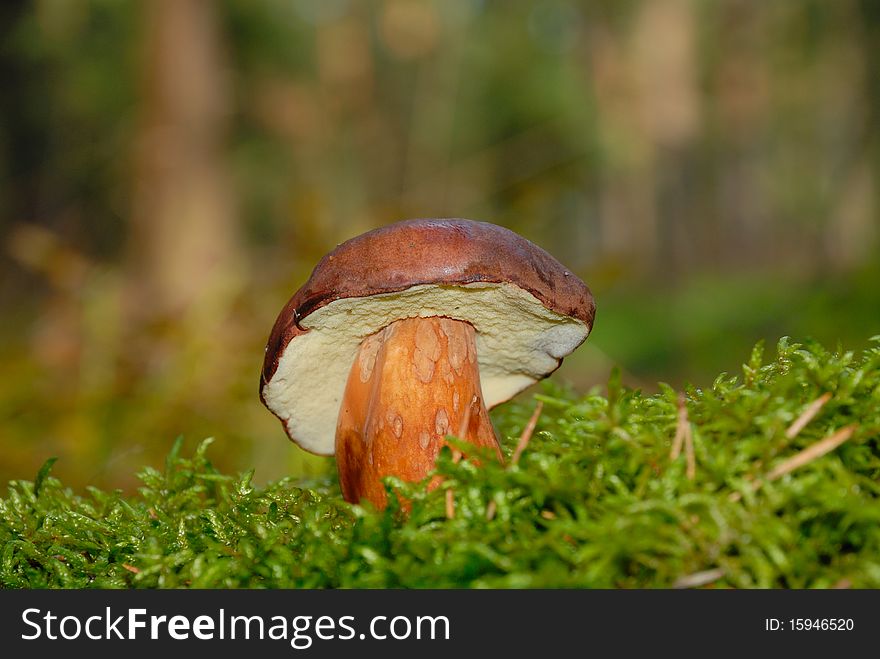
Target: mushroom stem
[(412, 384)]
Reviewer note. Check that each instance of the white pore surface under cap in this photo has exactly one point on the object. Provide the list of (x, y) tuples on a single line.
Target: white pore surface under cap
[(519, 341)]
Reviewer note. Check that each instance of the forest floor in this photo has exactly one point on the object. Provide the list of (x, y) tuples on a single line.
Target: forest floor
[(766, 479)]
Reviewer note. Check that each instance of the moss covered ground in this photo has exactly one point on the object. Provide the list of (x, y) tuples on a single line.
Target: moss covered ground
[(765, 479)]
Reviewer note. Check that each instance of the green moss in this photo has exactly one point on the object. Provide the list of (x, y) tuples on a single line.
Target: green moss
[(594, 502)]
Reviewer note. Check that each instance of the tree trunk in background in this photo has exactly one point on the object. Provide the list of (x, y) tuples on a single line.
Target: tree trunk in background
[(183, 255), (668, 114)]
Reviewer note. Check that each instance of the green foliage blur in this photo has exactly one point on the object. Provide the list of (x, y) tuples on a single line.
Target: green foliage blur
[(597, 500), (171, 170)]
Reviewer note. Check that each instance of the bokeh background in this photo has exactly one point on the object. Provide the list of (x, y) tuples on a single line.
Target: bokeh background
[(171, 170)]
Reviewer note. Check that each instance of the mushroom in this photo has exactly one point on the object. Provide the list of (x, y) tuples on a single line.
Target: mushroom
[(412, 332)]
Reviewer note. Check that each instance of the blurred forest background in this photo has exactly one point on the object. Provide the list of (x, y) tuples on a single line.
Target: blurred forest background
[(171, 170)]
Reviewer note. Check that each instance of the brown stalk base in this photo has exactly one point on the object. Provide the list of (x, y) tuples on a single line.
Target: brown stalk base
[(411, 384)]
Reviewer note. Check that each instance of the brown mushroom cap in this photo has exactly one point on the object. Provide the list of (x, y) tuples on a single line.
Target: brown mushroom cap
[(529, 312)]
